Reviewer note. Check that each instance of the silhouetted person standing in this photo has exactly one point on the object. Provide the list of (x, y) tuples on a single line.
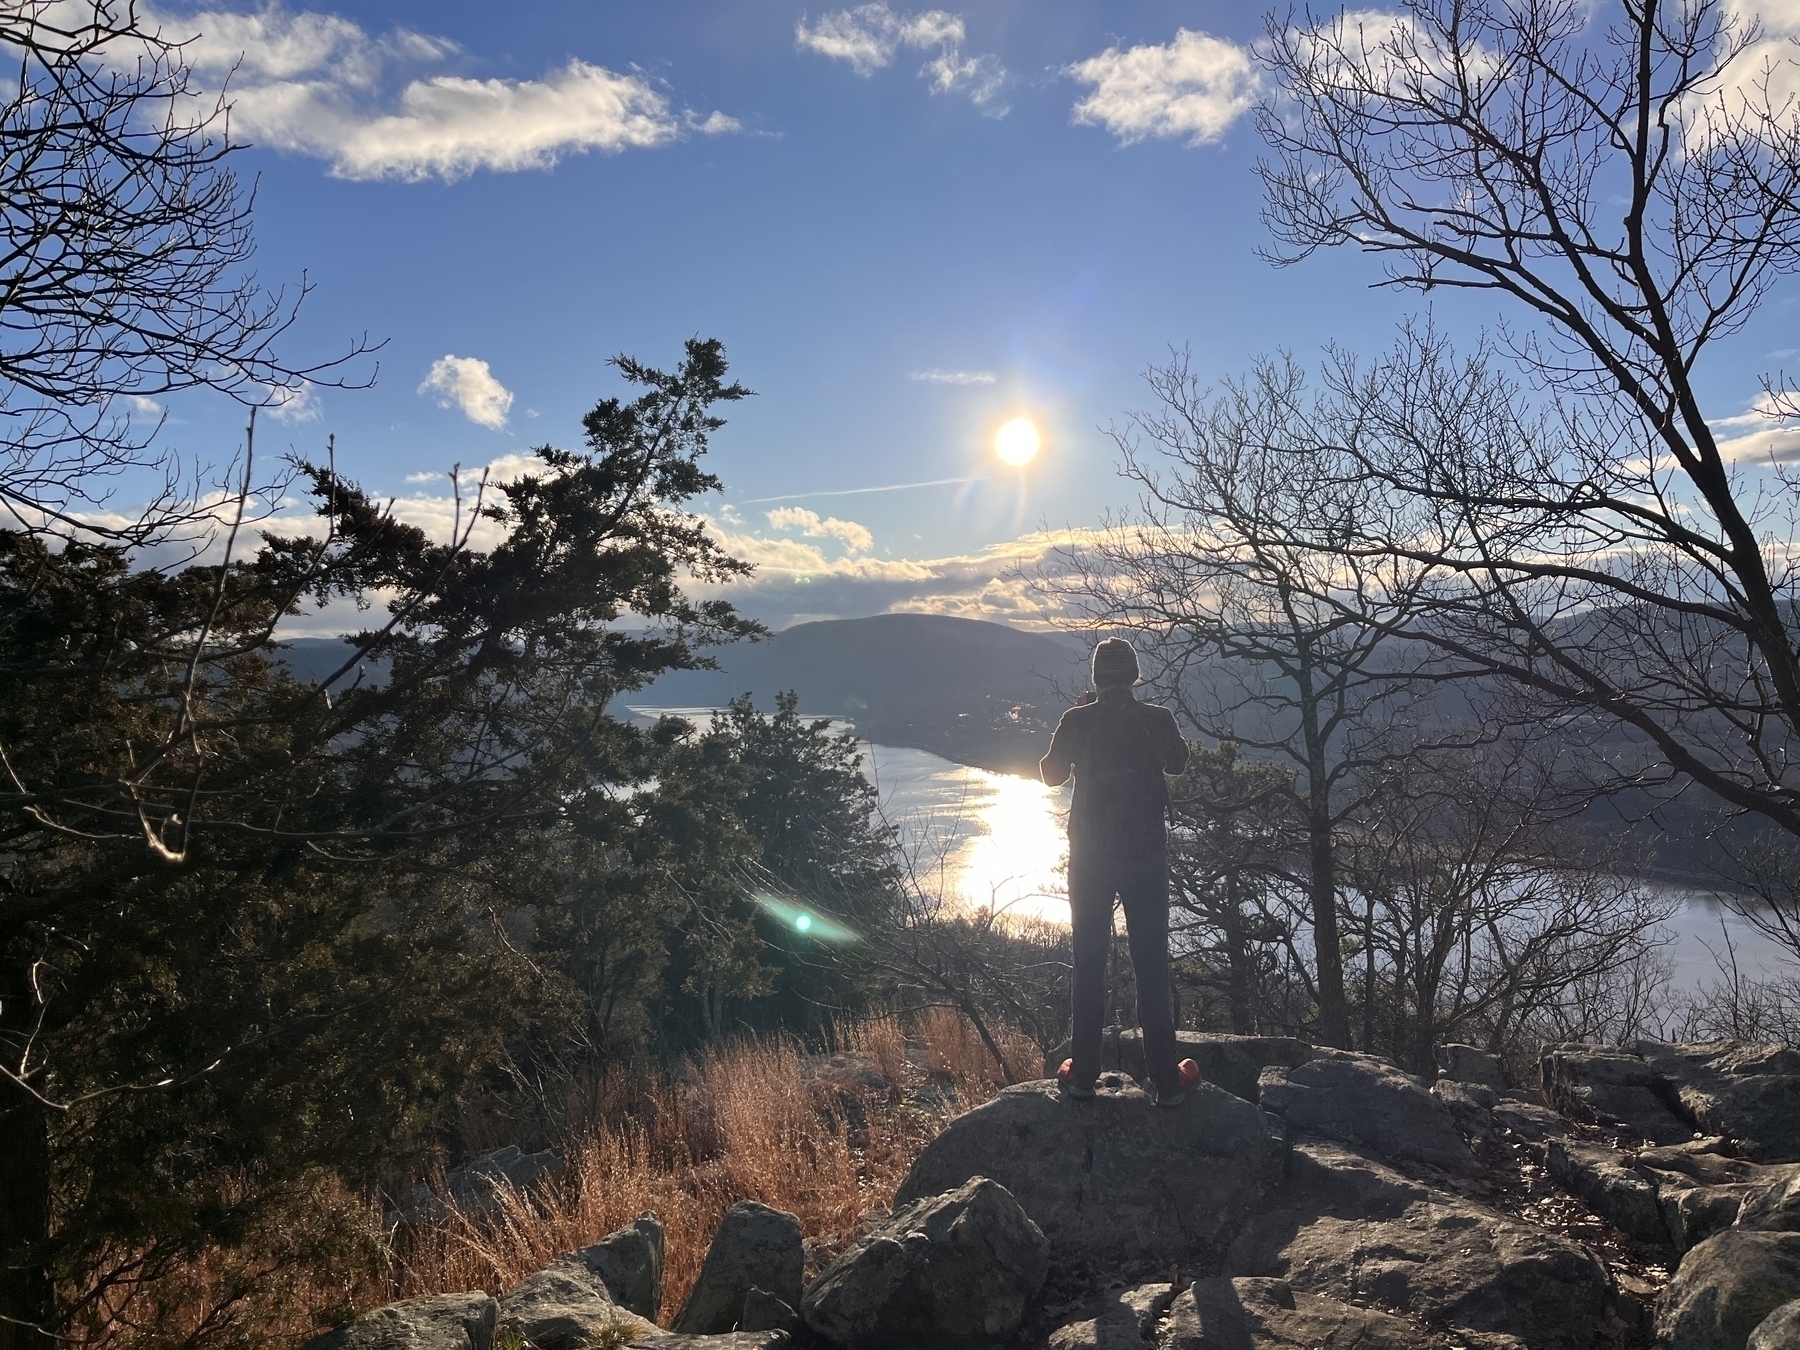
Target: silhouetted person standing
[(1118, 750)]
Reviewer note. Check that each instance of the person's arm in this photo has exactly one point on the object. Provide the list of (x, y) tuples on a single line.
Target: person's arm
[(1056, 766), (1171, 745)]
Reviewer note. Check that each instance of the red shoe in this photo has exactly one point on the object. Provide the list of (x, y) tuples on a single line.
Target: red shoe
[(1065, 1074), (1187, 1074)]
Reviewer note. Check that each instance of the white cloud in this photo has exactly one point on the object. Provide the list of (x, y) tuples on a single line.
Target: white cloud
[(936, 376), (870, 36), (855, 537), (145, 407), (1194, 88), (1765, 409), (294, 403), (316, 84), (466, 382)]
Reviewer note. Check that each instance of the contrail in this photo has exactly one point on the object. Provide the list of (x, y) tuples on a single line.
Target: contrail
[(854, 492)]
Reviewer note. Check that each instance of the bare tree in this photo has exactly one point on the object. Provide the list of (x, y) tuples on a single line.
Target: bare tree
[(1634, 186), (124, 240), (1480, 912)]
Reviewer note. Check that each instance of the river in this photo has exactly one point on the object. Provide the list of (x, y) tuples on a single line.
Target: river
[(995, 840)]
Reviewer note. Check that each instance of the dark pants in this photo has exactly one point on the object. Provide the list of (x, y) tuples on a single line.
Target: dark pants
[(1142, 884)]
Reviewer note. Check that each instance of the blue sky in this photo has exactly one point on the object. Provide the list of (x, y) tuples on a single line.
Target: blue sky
[(907, 226)]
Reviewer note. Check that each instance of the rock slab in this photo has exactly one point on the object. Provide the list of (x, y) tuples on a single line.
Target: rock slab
[(1116, 1178), (756, 1247), (1123, 1321), (1351, 1228), (435, 1322), (958, 1270), (1265, 1314), (1367, 1102)]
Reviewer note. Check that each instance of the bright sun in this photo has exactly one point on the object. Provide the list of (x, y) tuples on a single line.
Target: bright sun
[(1018, 442)]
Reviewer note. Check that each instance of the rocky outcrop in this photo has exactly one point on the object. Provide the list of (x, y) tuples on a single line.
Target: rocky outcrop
[(955, 1270), (1113, 1179), (755, 1248), (435, 1322), (1347, 1206), (1616, 1089), (1366, 1101), (1350, 1228), (1748, 1091), (1264, 1314), (1726, 1287), (1123, 1320)]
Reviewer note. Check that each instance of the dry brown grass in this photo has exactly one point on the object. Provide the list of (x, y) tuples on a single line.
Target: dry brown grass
[(818, 1135)]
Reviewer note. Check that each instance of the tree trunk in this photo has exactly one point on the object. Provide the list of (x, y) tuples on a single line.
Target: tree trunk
[(27, 1302), (1237, 956)]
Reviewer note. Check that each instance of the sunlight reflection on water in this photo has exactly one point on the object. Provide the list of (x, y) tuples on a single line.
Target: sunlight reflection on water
[(993, 840)]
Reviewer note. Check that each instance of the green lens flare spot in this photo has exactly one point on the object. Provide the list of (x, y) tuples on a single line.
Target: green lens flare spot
[(804, 922)]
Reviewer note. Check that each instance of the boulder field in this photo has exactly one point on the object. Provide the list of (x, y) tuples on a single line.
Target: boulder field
[(1303, 1198)]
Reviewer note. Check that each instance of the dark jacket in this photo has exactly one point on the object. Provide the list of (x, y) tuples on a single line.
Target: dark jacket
[(1118, 750)]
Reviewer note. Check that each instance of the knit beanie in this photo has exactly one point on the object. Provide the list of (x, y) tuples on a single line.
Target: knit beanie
[(1115, 663)]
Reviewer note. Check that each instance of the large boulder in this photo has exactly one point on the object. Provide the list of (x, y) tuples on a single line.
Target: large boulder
[(1726, 1287), (1264, 1314), (729, 1340), (478, 1187), (1350, 1228), (1605, 1085), (1469, 1064), (1744, 1089), (756, 1247), (564, 1307), (1366, 1101), (1605, 1181), (629, 1262), (952, 1271), (1780, 1330), (1116, 1178), (435, 1322), (1123, 1320)]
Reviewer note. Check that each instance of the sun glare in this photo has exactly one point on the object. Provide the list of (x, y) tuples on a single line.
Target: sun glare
[(1018, 442)]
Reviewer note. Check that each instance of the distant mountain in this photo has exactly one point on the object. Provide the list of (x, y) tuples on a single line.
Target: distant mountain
[(979, 693)]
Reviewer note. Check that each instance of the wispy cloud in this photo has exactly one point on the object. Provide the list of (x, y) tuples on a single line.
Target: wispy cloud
[(319, 85), (853, 536), (465, 382), (870, 36), (935, 376), (1192, 89)]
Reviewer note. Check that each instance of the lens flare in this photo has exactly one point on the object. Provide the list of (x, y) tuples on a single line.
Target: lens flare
[(1017, 442), (808, 923)]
